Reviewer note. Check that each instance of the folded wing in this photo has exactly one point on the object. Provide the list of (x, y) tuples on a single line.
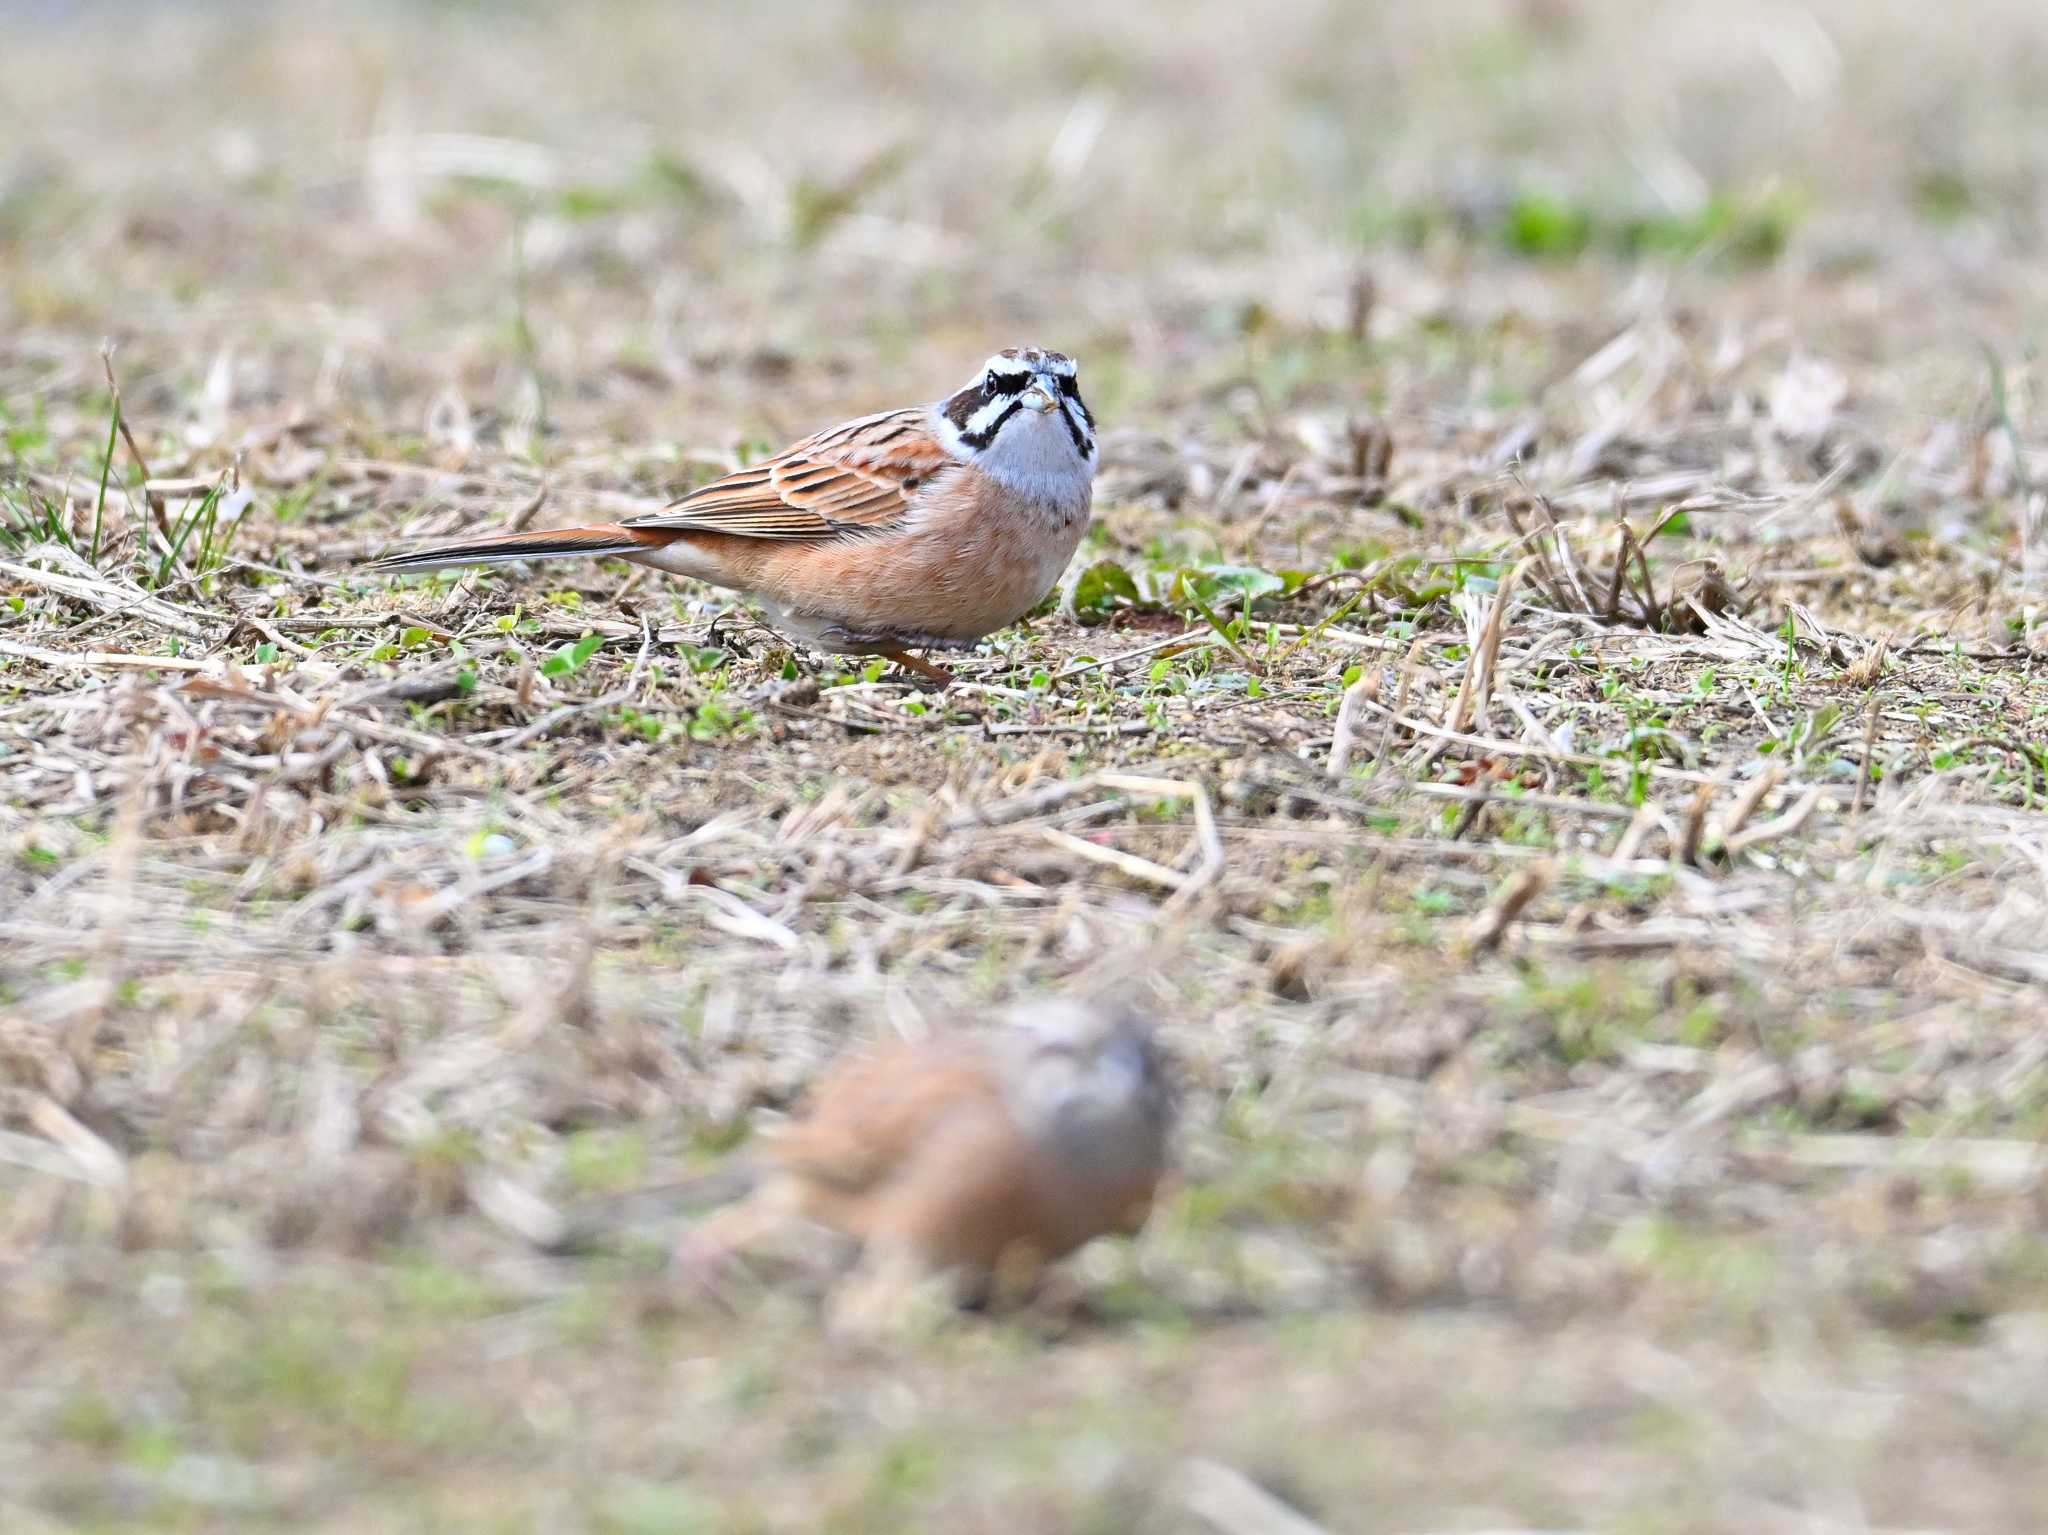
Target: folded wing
[(854, 479)]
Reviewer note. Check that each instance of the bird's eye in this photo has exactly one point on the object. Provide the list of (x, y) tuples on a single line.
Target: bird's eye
[(989, 383)]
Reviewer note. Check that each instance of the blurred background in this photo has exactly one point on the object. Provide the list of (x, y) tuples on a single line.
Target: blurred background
[(1631, 1226), (768, 214)]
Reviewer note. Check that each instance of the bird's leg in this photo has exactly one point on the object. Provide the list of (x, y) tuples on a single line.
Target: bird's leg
[(893, 646), (919, 666)]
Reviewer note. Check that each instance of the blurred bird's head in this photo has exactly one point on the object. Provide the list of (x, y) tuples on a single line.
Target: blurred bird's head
[(1092, 1083)]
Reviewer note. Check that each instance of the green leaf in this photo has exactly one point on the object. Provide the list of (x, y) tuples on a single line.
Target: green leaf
[(266, 652), (414, 636), (1103, 587), (567, 659), (1216, 583), (1544, 226)]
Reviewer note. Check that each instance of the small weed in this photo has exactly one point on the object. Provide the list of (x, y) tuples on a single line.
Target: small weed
[(568, 659)]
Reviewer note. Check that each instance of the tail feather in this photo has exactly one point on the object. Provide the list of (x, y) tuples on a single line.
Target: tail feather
[(597, 540)]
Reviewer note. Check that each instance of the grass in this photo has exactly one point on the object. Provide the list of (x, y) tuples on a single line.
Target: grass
[(1549, 716)]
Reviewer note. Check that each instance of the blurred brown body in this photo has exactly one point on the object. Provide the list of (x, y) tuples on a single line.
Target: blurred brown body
[(915, 1147), (984, 1158)]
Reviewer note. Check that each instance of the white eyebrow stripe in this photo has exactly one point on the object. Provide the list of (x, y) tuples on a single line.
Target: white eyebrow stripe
[(1041, 362), (985, 418)]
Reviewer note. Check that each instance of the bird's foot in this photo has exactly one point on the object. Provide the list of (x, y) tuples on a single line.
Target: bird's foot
[(921, 668), (897, 646)]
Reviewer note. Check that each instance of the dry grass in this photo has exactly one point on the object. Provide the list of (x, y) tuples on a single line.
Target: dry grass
[(1551, 715)]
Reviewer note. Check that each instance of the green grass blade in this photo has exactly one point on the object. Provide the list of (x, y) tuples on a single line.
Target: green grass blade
[(99, 507), (184, 531)]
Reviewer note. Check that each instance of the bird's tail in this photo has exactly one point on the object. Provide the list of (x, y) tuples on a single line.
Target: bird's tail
[(597, 540)]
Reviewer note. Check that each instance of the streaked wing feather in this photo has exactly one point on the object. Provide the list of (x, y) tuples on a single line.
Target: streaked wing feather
[(852, 479)]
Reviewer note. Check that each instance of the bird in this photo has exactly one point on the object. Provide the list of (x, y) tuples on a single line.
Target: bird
[(976, 1158), (925, 528)]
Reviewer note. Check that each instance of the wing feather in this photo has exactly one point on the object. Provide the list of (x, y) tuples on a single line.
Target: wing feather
[(844, 482), (869, 1114)]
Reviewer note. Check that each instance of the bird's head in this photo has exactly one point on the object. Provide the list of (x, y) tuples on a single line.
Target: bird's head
[(1022, 420)]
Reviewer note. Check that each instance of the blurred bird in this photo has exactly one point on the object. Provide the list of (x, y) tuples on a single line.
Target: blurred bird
[(916, 529), (980, 1158)]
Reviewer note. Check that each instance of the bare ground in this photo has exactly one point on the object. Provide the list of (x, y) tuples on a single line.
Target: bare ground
[(1551, 716)]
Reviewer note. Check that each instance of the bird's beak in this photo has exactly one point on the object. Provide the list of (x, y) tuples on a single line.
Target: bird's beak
[(1042, 396)]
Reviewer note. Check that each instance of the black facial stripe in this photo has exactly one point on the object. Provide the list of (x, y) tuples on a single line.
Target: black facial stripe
[(979, 440), (962, 407), (1082, 445), (1071, 388)]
